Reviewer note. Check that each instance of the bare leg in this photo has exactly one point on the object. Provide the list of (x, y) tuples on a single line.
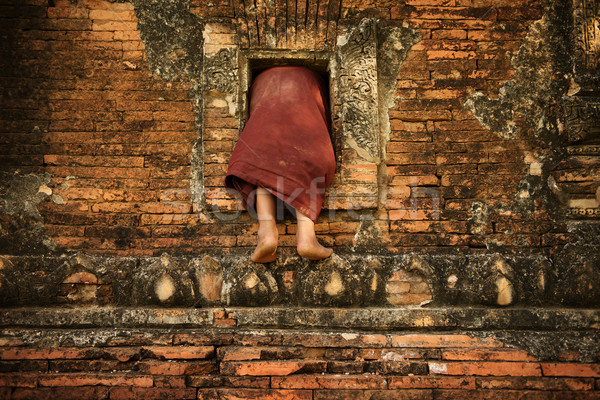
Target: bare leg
[(266, 248), (307, 243)]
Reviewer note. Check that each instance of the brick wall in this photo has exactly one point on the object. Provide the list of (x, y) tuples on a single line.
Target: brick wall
[(83, 105), (117, 120), (225, 363)]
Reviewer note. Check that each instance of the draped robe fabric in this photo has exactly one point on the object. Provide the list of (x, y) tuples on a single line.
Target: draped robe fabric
[(285, 146)]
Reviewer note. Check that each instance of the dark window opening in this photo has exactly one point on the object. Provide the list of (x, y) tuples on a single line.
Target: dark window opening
[(321, 66)]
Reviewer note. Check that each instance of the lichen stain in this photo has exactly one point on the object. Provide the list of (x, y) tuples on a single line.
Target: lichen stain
[(251, 280), (505, 291), (20, 197), (335, 285), (538, 83), (164, 287)]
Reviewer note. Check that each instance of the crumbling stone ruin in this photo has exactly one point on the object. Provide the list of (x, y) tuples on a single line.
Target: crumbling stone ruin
[(464, 214)]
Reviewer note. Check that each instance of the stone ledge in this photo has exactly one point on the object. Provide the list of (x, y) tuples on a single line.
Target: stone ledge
[(531, 279), (365, 319)]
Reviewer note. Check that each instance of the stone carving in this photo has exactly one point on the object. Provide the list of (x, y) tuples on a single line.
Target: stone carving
[(569, 278), (500, 281), (582, 119), (357, 91), (583, 213), (578, 275), (409, 284), (331, 282), (165, 281), (209, 278), (586, 150), (586, 17), (249, 283), (220, 71)]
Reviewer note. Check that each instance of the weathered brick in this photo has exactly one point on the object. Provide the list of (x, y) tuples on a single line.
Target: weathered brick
[(395, 394), (269, 394), (499, 368), (23, 366), (95, 379), (346, 367), (152, 393), (177, 368), (18, 380), (426, 382), (512, 394), (535, 383), (271, 368), (255, 382), (180, 352), (66, 393), (475, 354), (571, 369), (366, 381), (441, 340)]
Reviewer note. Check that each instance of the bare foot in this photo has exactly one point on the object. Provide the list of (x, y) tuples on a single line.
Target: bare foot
[(307, 244), (266, 249), (265, 252), (313, 250)]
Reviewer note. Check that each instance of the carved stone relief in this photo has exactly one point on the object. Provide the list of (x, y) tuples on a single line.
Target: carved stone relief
[(582, 119), (359, 88), (220, 72), (586, 16), (357, 91)]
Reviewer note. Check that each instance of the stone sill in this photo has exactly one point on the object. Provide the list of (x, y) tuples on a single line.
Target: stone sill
[(363, 319), (492, 279)]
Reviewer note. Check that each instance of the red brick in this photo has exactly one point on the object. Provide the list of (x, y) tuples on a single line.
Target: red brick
[(95, 379), (486, 355), (229, 381), (240, 353), (20, 353), (271, 368), (535, 383), (177, 368), (251, 394), (568, 355), (442, 340), (127, 393), (68, 393), (426, 382), (513, 395), (571, 369), (18, 380), (150, 207), (366, 381), (499, 368), (170, 381), (181, 352), (399, 394)]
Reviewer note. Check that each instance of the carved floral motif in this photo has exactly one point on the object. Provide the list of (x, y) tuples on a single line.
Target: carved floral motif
[(220, 71), (358, 94), (582, 119), (586, 15)]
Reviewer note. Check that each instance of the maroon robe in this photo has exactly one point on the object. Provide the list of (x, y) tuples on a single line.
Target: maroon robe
[(285, 146)]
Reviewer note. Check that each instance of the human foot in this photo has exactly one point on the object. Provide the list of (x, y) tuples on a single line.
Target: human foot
[(307, 244), (313, 250), (266, 248), (265, 252)]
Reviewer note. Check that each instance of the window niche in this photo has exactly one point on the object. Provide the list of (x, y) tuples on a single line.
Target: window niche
[(350, 68), (253, 63)]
